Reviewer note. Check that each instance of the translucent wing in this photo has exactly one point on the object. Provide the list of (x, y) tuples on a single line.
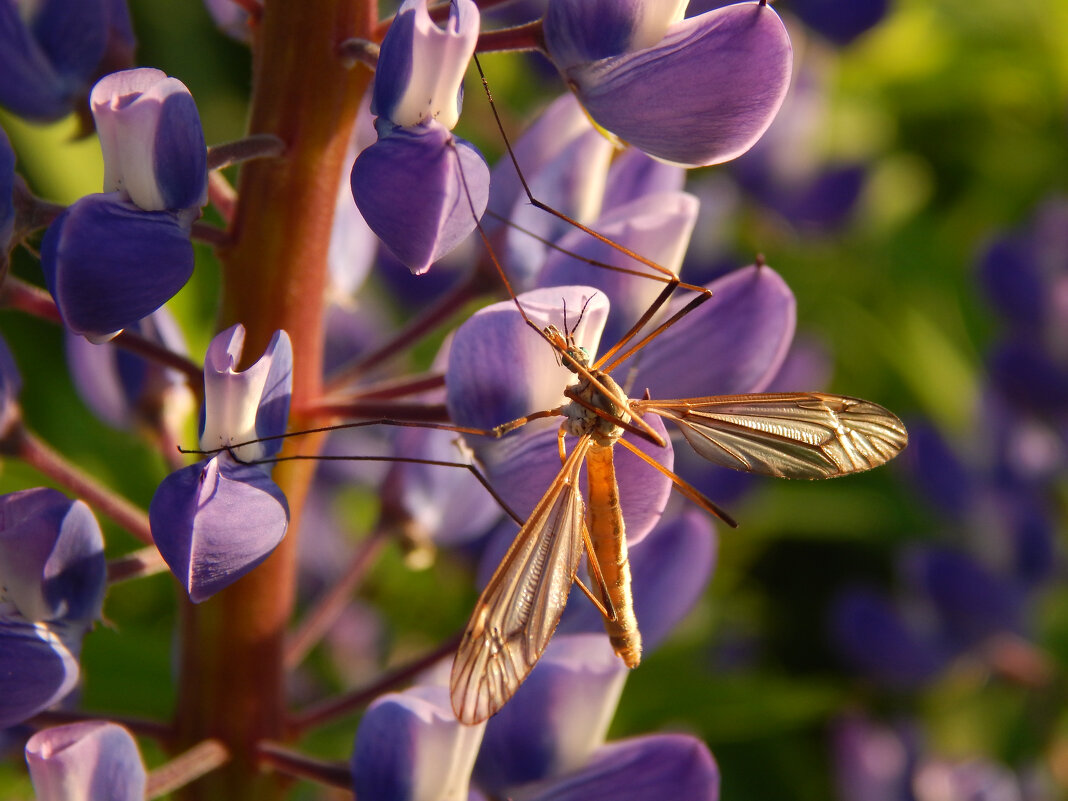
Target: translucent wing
[(520, 607), (789, 435)]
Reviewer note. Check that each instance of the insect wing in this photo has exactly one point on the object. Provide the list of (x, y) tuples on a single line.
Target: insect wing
[(788, 435), (520, 607)]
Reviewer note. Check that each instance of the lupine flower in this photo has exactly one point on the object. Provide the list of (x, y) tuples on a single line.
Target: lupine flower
[(878, 762), (216, 520), (411, 747), (52, 576), (113, 258), (499, 370), (548, 742), (51, 50), (692, 91), (125, 390), (91, 761), (231, 18), (412, 186)]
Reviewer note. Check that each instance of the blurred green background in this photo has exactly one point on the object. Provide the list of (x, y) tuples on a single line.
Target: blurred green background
[(960, 109)]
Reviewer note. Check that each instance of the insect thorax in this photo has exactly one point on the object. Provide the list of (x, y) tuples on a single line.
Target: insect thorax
[(581, 417)]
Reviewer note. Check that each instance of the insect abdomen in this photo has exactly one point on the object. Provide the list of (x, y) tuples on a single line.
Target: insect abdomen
[(609, 538)]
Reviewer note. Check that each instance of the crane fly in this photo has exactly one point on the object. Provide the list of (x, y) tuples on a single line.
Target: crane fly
[(808, 435)]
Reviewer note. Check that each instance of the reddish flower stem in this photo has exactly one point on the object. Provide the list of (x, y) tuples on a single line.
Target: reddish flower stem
[(26, 446)]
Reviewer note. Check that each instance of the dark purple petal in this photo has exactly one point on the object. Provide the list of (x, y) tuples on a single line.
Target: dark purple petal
[(972, 601), (412, 187), (73, 36), (873, 638), (109, 263), (51, 556), (1009, 273), (702, 95), (7, 192), (670, 571), (1033, 532), (841, 22), (215, 521), (1030, 378), (734, 343), (410, 747), (94, 760), (937, 472), (651, 768), (556, 719), (580, 31), (31, 87), (37, 669), (272, 415)]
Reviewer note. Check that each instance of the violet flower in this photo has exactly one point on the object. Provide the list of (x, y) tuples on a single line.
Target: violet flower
[(692, 91), (127, 391), (51, 50), (410, 747), (216, 520), (412, 186), (111, 259), (52, 575), (90, 761)]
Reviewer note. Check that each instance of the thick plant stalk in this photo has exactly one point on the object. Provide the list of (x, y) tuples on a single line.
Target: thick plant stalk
[(231, 684)]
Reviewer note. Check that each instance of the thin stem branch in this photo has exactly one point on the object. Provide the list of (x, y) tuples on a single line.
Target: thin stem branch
[(350, 702), (17, 294), (522, 37), (253, 146), (202, 758), (327, 608), (22, 443), (141, 563), (292, 763), (222, 195), (463, 292), (400, 412), (209, 234)]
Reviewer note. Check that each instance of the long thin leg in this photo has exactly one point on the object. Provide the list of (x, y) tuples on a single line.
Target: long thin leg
[(685, 488)]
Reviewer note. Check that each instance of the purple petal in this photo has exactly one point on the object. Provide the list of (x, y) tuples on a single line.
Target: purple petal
[(215, 521), (421, 66), (352, 243), (937, 472), (47, 63), (656, 226), (446, 505), (37, 668), (651, 768), (556, 719), (743, 335), (152, 139), (412, 188), (410, 747), (108, 263), (51, 556), (499, 369), (634, 174), (702, 95), (670, 569), (973, 601), (244, 406), (841, 22), (580, 31), (90, 761), (873, 638), (7, 193)]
